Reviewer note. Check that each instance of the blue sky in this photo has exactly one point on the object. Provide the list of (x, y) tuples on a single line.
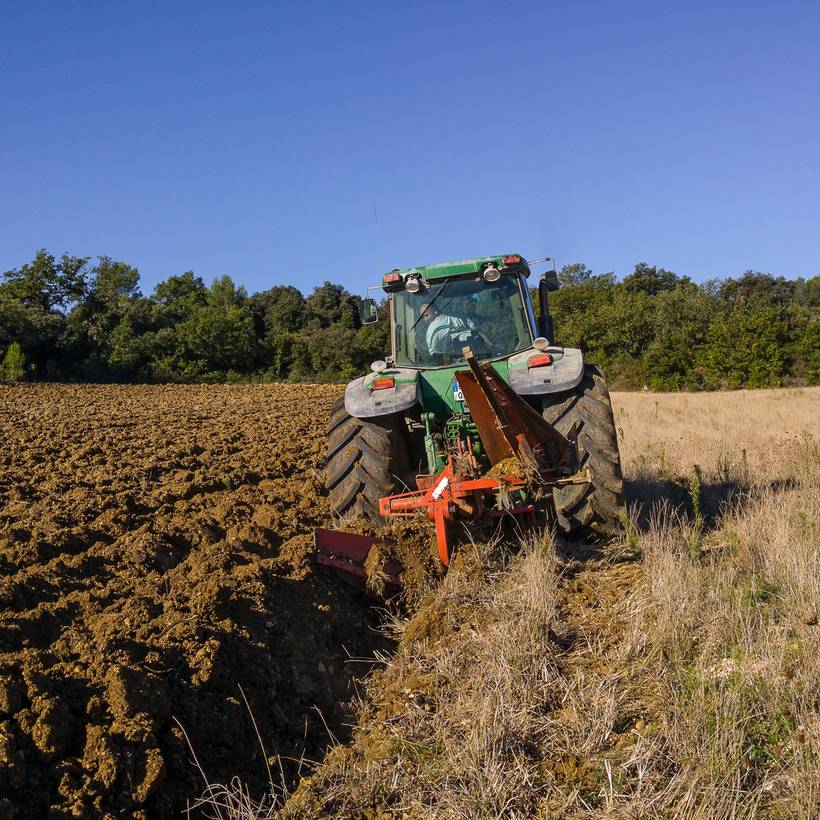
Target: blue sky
[(254, 138)]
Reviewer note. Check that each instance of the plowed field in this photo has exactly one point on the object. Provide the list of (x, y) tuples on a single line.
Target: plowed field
[(155, 564)]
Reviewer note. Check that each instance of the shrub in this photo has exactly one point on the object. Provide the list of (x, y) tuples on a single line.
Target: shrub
[(13, 366)]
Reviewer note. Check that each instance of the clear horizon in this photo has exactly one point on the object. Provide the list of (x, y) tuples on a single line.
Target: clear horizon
[(291, 146)]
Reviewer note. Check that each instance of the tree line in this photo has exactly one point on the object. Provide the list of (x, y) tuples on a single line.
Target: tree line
[(658, 329), (78, 321), (69, 319)]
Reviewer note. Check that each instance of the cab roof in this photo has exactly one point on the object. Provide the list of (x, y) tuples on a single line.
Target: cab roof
[(445, 270)]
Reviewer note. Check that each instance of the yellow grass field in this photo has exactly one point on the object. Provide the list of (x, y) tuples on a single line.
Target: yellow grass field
[(662, 434)]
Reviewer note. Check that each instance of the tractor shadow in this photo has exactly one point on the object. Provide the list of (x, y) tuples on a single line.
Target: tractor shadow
[(645, 497), (648, 498), (281, 682)]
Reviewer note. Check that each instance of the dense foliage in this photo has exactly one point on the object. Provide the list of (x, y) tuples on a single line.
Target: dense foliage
[(69, 319), (662, 330)]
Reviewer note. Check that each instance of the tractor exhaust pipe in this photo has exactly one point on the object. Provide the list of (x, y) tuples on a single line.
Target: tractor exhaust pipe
[(548, 282), (545, 326)]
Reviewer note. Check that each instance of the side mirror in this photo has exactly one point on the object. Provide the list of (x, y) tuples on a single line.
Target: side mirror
[(368, 312), (550, 279)]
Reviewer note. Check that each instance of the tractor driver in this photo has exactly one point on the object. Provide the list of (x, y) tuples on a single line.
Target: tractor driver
[(445, 331)]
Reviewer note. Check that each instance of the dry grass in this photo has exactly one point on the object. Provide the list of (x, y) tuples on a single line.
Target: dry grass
[(675, 673), (738, 440), (728, 604)]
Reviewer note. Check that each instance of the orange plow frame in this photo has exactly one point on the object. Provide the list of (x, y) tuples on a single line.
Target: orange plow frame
[(449, 497)]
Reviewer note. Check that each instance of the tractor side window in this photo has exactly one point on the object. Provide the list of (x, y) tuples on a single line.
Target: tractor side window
[(406, 338), (492, 314)]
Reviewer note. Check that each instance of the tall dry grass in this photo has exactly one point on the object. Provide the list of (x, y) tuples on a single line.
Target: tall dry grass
[(737, 439), (729, 606)]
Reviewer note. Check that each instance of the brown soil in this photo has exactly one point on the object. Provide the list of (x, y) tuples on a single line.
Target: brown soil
[(155, 564)]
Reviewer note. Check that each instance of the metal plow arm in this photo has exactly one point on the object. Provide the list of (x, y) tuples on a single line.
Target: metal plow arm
[(505, 421), (450, 497)]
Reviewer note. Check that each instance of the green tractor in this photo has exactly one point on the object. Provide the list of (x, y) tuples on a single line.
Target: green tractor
[(396, 429)]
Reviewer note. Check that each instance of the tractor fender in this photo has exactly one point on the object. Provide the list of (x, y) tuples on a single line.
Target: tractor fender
[(363, 402), (564, 373)]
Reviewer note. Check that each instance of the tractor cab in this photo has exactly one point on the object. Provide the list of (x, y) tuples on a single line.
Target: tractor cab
[(438, 310), (432, 327)]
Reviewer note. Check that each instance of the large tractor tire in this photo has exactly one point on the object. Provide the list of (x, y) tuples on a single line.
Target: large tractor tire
[(591, 511), (365, 460)]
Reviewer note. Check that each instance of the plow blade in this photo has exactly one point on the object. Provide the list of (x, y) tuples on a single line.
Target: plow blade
[(346, 553), (507, 424)]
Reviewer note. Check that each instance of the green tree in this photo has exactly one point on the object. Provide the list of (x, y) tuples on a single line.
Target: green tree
[(329, 304), (278, 309), (224, 292), (13, 365), (680, 329), (748, 340), (577, 311), (325, 354), (654, 327), (746, 348), (650, 280), (218, 334), (33, 301), (110, 297), (574, 274), (48, 284), (804, 323), (806, 351), (177, 297)]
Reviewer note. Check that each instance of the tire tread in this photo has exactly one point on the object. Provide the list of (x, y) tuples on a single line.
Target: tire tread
[(595, 510)]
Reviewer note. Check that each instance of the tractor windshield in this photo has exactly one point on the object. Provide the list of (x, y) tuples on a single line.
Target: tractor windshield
[(433, 326)]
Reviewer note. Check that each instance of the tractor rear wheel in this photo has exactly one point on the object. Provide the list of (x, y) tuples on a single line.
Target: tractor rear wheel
[(593, 510), (365, 460)]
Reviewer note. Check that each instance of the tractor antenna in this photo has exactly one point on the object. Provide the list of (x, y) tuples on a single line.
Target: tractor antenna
[(542, 259)]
